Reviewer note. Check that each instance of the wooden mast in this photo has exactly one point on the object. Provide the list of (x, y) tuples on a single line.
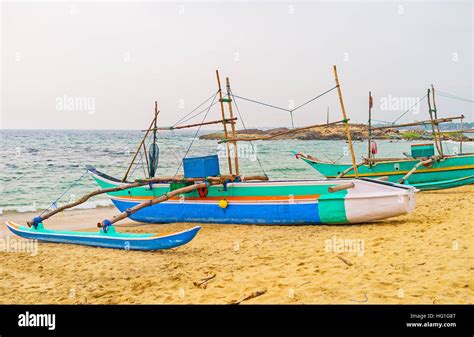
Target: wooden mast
[(142, 143), (154, 123), (224, 124), (327, 116), (232, 127), (433, 128), (436, 117), (346, 123), (369, 136)]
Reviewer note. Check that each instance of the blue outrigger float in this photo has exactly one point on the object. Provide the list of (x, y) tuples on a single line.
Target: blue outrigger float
[(105, 239)]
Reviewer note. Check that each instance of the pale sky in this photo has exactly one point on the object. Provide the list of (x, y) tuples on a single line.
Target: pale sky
[(113, 59)]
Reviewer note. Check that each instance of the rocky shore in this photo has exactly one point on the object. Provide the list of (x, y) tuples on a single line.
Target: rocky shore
[(335, 132)]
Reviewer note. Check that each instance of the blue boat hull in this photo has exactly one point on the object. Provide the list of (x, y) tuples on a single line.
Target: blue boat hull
[(282, 213)]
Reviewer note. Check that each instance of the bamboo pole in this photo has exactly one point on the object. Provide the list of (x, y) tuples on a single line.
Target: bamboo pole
[(369, 130), (439, 120), (87, 197), (462, 136), (348, 131), (327, 116), (406, 176), (146, 157), (281, 133), (433, 129), (223, 121), (349, 169), (148, 203), (341, 187), (138, 149), (256, 177), (436, 117), (227, 120), (232, 127)]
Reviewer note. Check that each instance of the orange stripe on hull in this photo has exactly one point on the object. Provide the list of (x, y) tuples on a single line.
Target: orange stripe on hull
[(242, 198)]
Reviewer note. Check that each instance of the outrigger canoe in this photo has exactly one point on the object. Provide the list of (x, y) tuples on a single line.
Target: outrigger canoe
[(108, 239), (442, 173)]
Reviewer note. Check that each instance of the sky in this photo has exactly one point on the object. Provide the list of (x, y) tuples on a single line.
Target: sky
[(101, 65)]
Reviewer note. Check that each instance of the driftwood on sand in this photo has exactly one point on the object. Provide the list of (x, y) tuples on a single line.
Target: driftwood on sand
[(249, 297)]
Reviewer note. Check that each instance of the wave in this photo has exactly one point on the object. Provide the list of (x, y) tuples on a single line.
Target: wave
[(33, 208)]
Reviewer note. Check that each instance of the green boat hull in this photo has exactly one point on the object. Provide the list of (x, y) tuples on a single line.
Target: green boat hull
[(448, 172)]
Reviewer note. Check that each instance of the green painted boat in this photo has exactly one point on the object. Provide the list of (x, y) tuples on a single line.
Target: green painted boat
[(444, 172)]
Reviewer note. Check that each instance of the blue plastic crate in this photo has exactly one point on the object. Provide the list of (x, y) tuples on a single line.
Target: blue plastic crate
[(201, 167)]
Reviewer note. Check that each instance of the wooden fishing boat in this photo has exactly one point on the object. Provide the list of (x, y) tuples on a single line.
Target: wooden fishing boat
[(443, 172), (268, 202), (105, 239), (424, 168), (233, 198)]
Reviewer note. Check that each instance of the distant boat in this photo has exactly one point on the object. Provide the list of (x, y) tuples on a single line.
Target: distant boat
[(422, 169), (441, 173)]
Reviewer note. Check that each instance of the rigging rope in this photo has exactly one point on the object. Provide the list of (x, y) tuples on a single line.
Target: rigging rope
[(138, 163), (284, 109), (167, 148), (64, 193), (315, 98), (197, 114), (261, 103), (185, 116), (445, 94), (197, 132), (403, 114), (243, 124)]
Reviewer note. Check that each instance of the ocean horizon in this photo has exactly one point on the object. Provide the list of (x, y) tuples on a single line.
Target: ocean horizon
[(40, 165)]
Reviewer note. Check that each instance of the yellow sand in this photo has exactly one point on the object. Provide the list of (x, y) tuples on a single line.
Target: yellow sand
[(424, 257)]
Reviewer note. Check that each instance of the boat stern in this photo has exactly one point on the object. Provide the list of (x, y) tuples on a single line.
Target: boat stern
[(369, 200)]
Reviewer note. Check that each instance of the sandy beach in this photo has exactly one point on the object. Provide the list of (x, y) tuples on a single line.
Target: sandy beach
[(424, 257)]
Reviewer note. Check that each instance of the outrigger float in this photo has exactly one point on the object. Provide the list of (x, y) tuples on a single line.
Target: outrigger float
[(424, 168), (108, 237), (204, 195)]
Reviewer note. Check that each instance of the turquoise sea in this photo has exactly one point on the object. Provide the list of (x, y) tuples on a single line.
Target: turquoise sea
[(38, 166)]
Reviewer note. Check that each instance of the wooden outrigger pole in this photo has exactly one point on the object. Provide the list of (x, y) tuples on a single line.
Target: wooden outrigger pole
[(346, 123), (169, 128), (425, 122), (224, 124), (281, 133)]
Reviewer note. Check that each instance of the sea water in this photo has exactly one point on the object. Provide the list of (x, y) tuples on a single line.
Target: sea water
[(39, 166)]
